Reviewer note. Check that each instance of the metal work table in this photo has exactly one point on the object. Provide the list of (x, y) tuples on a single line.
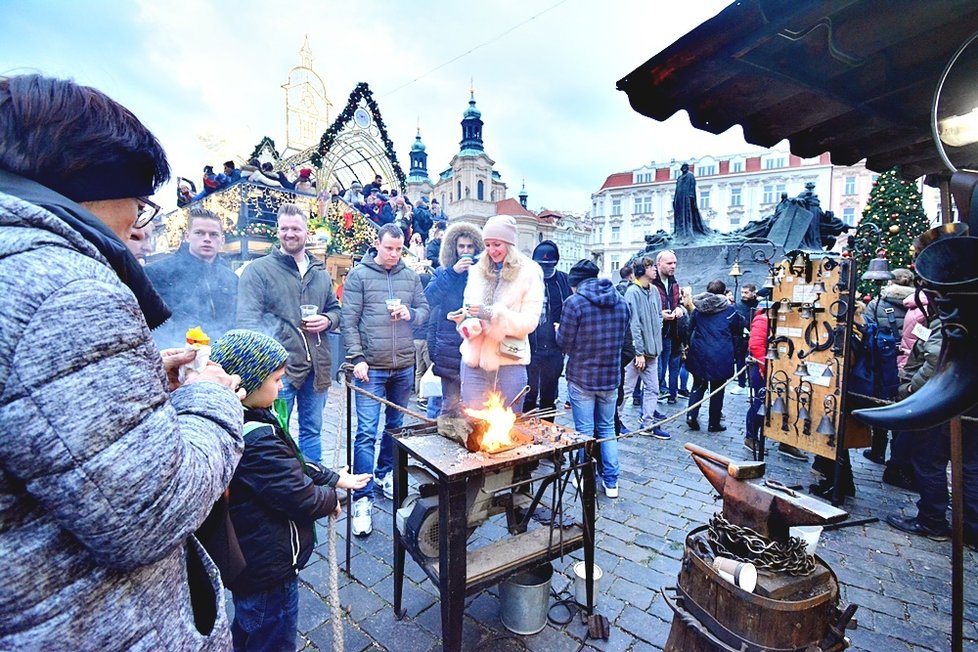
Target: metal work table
[(457, 572)]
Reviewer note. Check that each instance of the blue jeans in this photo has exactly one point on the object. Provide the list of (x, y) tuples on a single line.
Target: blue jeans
[(451, 396), (395, 385), (311, 404), (670, 359), (477, 383), (754, 422), (266, 620), (930, 456), (683, 377), (434, 407), (594, 415), (543, 374)]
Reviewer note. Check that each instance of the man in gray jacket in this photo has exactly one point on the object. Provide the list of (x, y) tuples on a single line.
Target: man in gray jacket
[(272, 293), (646, 328), (382, 302), (107, 465)]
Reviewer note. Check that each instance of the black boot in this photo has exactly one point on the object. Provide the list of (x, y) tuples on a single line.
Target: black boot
[(947, 269), (877, 454)]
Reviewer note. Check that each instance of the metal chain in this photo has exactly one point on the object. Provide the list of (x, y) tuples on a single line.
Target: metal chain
[(744, 544)]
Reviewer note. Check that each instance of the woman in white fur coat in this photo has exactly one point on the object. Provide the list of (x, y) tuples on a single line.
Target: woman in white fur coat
[(503, 301)]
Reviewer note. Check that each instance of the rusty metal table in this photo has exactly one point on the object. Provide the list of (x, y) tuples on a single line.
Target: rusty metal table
[(457, 572)]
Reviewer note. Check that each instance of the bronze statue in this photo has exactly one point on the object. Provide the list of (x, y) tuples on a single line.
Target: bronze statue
[(688, 222)]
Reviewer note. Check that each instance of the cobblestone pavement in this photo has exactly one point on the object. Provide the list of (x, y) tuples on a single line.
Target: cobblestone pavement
[(901, 583)]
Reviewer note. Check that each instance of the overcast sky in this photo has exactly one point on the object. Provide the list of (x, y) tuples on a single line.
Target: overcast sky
[(206, 77)]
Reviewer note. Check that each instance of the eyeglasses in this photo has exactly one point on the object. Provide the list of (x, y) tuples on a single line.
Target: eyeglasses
[(145, 213)]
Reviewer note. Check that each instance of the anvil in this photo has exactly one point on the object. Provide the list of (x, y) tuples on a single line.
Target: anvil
[(766, 506)]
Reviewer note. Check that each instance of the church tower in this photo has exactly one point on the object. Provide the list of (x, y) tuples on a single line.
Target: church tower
[(418, 183), (470, 188)]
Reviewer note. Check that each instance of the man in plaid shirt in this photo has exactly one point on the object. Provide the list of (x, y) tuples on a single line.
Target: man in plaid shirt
[(591, 333)]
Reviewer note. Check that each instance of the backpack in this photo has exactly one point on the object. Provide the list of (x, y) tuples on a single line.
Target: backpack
[(216, 534), (874, 369)]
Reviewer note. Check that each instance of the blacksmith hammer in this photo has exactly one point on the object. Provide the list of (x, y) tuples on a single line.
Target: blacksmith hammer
[(740, 470)]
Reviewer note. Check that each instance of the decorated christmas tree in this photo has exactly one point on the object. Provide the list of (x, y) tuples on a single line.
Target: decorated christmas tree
[(895, 206)]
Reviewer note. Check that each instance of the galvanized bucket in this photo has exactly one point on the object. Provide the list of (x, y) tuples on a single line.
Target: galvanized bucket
[(524, 599)]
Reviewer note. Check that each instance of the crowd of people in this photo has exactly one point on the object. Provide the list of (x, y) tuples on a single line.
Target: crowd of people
[(130, 466)]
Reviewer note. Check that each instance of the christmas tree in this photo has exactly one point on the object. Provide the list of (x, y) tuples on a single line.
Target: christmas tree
[(895, 207)]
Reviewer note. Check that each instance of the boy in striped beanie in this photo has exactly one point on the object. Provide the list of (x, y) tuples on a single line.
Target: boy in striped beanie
[(275, 499)]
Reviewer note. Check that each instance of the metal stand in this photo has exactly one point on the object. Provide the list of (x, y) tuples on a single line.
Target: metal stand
[(957, 538), (458, 572)]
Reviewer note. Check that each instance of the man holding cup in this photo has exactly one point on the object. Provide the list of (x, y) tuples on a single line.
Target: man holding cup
[(382, 303), (289, 295)]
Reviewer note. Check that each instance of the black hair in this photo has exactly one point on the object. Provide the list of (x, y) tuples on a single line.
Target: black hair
[(67, 137), (716, 287), (626, 272)]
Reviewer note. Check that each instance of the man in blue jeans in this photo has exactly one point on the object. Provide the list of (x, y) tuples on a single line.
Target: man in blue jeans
[(592, 333), (289, 295), (670, 359), (382, 303)]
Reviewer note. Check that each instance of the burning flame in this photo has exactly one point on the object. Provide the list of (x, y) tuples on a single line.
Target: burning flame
[(500, 419)]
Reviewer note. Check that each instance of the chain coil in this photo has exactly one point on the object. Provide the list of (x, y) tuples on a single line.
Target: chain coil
[(747, 545)]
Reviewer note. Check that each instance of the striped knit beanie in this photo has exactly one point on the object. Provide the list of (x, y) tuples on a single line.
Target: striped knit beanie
[(249, 354)]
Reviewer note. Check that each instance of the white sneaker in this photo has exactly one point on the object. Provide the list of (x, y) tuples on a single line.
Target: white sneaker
[(386, 485), (362, 523), (611, 491), (737, 390)]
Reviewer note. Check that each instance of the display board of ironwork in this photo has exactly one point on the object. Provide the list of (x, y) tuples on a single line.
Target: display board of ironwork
[(808, 355)]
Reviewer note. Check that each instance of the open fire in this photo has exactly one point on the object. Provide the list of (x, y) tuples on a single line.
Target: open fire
[(495, 426)]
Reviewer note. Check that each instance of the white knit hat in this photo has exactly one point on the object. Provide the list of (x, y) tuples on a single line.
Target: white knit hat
[(500, 227)]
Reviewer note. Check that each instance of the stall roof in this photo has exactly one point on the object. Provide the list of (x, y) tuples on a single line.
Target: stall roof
[(855, 78)]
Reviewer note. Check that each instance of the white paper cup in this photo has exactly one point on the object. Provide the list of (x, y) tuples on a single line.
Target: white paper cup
[(807, 533), (739, 573), (308, 311)]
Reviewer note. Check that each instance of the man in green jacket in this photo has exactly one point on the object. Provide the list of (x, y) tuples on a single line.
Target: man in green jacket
[(272, 294), (382, 302)]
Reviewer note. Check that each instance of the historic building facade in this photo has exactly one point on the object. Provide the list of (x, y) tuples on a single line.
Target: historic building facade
[(731, 191)]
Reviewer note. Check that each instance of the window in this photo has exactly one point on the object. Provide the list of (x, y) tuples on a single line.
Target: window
[(849, 187), (737, 166), (768, 195), (707, 170), (735, 198), (458, 189), (614, 263), (480, 191), (616, 207), (771, 163), (616, 234), (646, 204), (735, 220), (645, 177), (849, 216), (638, 205), (676, 173), (704, 198)]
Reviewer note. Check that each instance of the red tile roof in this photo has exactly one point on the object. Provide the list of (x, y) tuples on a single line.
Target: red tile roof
[(510, 206), (617, 180)]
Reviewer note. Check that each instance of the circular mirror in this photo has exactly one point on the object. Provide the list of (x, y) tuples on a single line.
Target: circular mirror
[(954, 111)]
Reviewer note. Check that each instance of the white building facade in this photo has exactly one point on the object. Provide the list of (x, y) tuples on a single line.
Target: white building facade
[(731, 191)]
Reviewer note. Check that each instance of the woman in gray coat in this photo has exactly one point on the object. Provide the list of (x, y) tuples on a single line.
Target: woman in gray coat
[(107, 467)]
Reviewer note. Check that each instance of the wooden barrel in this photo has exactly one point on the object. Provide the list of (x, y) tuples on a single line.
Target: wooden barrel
[(712, 614)]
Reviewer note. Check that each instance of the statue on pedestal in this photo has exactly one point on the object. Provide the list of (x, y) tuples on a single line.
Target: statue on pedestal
[(688, 222)]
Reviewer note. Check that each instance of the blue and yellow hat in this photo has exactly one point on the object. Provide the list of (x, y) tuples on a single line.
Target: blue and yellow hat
[(249, 354)]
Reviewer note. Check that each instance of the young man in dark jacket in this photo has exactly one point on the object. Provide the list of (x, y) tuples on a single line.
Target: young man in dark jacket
[(712, 330), (275, 499), (382, 303), (462, 243), (196, 282), (270, 294), (592, 333), (433, 248), (546, 360), (745, 307), (670, 359)]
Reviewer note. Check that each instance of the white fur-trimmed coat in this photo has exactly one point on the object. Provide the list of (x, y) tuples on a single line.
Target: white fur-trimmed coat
[(516, 302)]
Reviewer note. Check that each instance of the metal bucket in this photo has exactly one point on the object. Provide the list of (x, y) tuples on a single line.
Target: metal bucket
[(524, 599)]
